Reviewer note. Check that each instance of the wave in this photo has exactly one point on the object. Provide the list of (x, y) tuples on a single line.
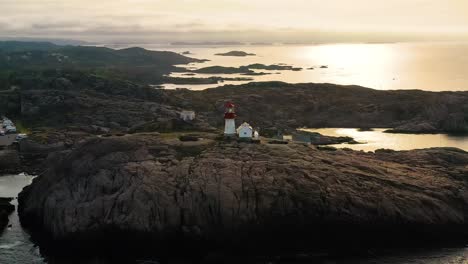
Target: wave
[(10, 246)]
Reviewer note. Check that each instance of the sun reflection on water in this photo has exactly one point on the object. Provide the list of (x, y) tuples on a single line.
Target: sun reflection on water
[(377, 139)]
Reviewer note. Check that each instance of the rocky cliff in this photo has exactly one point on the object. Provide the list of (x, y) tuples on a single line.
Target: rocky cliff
[(125, 190), (9, 161), (6, 208)]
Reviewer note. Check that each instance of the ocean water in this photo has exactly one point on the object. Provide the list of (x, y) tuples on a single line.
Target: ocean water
[(15, 245), (377, 139), (425, 66)]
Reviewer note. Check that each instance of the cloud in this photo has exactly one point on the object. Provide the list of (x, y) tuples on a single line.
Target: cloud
[(106, 19)]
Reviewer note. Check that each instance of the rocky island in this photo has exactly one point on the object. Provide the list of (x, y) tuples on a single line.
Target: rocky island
[(6, 208), (224, 70), (123, 192), (236, 54), (246, 70), (209, 80)]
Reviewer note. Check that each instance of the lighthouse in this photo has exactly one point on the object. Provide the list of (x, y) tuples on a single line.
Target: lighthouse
[(229, 120)]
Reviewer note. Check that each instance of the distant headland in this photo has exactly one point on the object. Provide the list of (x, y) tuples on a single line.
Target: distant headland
[(236, 53)]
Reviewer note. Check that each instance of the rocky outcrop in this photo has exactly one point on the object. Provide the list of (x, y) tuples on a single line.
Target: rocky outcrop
[(420, 128), (289, 106), (236, 53), (88, 101), (29, 146), (28, 156), (210, 194), (6, 208), (9, 161), (93, 105), (315, 138)]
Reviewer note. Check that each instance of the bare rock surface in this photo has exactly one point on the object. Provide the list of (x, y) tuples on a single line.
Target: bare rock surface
[(289, 106), (6, 208), (421, 128), (157, 187), (9, 160)]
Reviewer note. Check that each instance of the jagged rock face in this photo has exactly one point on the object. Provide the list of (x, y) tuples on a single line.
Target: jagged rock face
[(221, 191), (6, 208), (9, 160)]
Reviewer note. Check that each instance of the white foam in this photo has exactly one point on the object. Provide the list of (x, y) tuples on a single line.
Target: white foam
[(10, 246)]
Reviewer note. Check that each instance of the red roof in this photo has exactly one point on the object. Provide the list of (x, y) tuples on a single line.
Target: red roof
[(229, 105)]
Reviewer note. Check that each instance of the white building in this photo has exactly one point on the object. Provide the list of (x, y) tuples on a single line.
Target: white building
[(256, 134), (245, 131), (187, 115)]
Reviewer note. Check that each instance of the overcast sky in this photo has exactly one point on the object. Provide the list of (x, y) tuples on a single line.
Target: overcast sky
[(254, 20)]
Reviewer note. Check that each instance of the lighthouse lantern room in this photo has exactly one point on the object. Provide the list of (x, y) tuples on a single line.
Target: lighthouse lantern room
[(229, 120)]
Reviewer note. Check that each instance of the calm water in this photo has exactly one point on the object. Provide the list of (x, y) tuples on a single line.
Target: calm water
[(425, 66), (376, 139), (15, 246)]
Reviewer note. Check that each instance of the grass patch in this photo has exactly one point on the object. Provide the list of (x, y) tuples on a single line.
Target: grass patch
[(22, 128)]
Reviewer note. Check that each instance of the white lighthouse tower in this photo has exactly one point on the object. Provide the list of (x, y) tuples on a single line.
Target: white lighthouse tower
[(229, 120)]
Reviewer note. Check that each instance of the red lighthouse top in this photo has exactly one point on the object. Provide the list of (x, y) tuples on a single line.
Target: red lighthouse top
[(229, 112), (229, 105)]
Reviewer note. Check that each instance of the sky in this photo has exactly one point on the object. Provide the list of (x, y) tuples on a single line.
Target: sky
[(230, 20)]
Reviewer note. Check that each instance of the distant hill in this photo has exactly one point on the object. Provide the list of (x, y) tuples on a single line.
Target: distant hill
[(16, 46), (44, 54), (207, 43), (56, 41), (236, 53), (136, 64)]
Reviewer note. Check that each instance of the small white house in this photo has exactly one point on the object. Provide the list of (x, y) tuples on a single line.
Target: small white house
[(245, 131), (187, 115)]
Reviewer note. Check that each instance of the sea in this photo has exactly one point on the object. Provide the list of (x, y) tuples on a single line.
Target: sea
[(379, 139), (384, 66), (15, 244)]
